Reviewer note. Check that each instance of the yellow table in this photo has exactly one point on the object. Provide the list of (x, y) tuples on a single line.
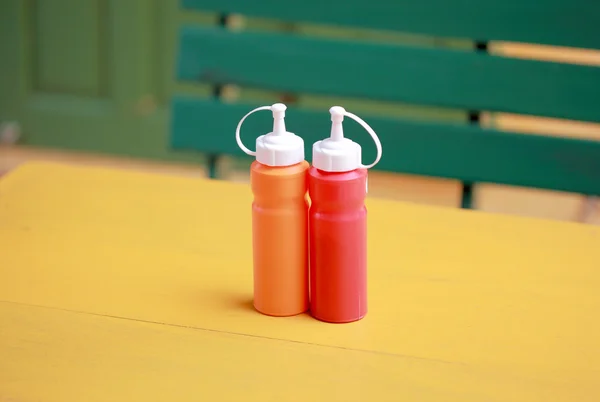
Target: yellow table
[(124, 286)]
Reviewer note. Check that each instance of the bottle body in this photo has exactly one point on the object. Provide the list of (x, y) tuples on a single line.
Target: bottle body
[(338, 245), (280, 238)]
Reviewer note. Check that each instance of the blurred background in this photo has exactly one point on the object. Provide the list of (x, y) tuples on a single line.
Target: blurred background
[(90, 82)]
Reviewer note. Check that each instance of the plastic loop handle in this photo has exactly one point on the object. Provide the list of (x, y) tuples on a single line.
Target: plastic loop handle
[(373, 136), (239, 126)]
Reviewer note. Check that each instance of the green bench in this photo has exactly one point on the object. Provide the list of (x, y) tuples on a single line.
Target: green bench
[(446, 66)]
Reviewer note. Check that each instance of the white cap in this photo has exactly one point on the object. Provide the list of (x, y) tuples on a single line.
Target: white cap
[(339, 154), (277, 148)]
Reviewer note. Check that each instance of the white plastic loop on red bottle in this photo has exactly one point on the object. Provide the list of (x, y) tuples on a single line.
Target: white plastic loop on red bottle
[(277, 148), (339, 154)]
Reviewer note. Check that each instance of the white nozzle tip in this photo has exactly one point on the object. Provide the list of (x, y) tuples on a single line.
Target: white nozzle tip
[(337, 113), (278, 108)]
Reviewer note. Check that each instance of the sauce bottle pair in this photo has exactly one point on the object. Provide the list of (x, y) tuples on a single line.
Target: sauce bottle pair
[(309, 257)]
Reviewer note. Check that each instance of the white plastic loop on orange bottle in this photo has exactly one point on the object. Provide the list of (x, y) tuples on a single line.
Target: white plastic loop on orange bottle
[(339, 154), (277, 148)]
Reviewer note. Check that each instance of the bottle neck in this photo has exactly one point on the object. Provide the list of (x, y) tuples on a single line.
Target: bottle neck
[(279, 126), (337, 132)]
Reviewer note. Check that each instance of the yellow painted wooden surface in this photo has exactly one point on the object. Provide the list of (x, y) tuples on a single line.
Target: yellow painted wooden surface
[(121, 285), (53, 355)]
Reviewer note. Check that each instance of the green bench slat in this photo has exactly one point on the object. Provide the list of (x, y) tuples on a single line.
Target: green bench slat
[(464, 152), (439, 77), (556, 22)]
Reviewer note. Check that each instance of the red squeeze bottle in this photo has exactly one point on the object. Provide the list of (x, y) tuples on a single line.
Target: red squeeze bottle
[(337, 186), (279, 218)]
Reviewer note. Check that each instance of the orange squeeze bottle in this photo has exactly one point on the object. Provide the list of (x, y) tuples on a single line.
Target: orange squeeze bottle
[(278, 180)]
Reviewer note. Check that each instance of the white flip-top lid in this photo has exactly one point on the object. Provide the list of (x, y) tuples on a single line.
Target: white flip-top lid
[(339, 154), (277, 148)]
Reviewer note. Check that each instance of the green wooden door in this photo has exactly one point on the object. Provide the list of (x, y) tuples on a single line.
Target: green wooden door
[(91, 75)]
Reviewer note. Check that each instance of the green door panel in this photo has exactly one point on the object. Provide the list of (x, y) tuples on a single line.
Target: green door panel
[(555, 22), (93, 75), (70, 33), (10, 52)]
